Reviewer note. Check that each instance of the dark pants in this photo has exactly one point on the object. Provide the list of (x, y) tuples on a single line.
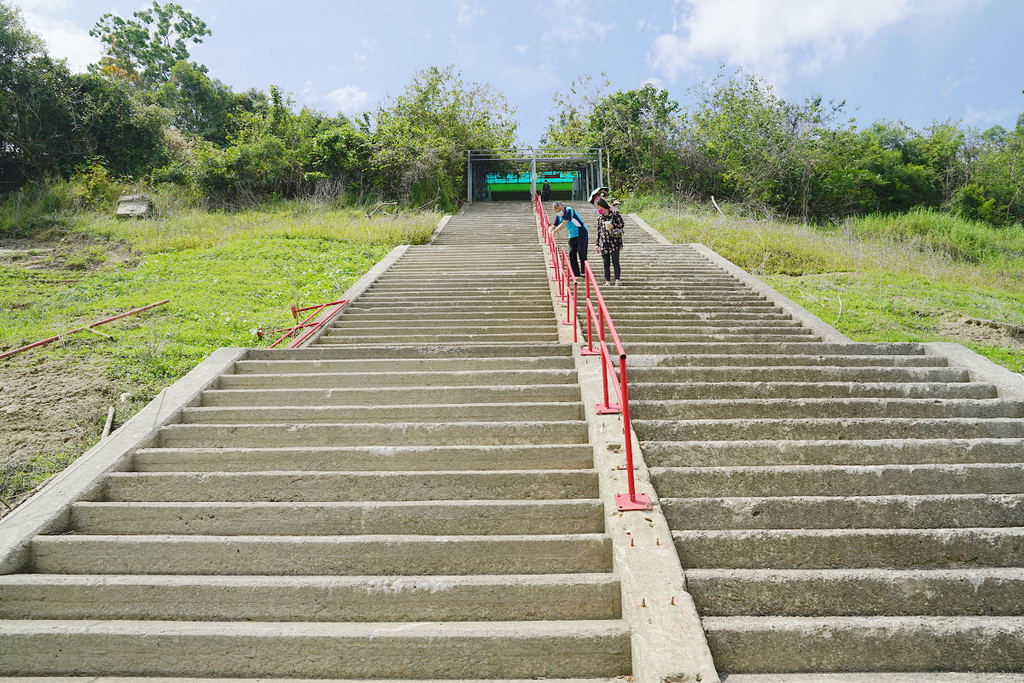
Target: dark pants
[(611, 259), (578, 249)]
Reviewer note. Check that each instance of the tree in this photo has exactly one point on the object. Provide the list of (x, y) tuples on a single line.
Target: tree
[(568, 125), (203, 106), (751, 134), (37, 127), (421, 137), (145, 49), (638, 129)]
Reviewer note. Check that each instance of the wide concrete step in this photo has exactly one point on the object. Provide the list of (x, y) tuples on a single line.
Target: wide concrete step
[(310, 598), (401, 396), (472, 353), (635, 293), (454, 291), (652, 326), (400, 365), (450, 518), (356, 458), (429, 321), (381, 304), (747, 334), (827, 428), (713, 329), (712, 391), (947, 510), (800, 373), (347, 555), (427, 412), (839, 480), (668, 366), (624, 317), (857, 592), (471, 650), (670, 310), (497, 297), (664, 354), (443, 335), (882, 644), (475, 327), (357, 380), (850, 548), (781, 408), (359, 315), (831, 452), (399, 434), (315, 487)]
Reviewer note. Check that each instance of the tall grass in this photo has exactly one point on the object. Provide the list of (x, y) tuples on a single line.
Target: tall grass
[(196, 229), (880, 278), (933, 231)]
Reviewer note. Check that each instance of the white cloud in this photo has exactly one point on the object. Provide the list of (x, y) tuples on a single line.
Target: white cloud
[(466, 12), (349, 99), (985, 118), (576, 29), (775, 38), (64, 39)]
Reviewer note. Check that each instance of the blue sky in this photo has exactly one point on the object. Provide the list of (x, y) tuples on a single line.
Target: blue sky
[(918, 61)]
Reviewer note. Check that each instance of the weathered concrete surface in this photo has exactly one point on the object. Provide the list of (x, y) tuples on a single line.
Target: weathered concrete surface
[(668, 643)]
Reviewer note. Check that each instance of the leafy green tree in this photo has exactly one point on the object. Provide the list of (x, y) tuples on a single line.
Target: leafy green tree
[(752, 134), (420, 137), (994, 190), (569, 125), (124, 132), (35, 109), (144, 50), (202, 106), (638, 129), (53, 122)]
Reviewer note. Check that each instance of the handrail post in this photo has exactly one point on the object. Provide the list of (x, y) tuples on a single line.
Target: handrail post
[(587, 277), (630, 501), (606, 408), (569, 303)]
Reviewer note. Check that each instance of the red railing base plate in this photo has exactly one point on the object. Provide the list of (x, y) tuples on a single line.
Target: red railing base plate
[(610, 409), (624, 504)]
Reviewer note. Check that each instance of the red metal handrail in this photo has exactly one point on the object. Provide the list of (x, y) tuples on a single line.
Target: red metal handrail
[(631, 500), (600, 318)]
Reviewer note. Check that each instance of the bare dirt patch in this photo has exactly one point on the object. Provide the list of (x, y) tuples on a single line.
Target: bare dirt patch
[(51, 409), (52, 405), (987, 332)]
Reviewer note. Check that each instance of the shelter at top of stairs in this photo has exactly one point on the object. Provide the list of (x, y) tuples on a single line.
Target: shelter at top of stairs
[(514, 174)]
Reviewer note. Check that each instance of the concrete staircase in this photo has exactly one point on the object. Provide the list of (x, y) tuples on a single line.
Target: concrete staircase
[(836, 506), (414, 497), (411, 497)]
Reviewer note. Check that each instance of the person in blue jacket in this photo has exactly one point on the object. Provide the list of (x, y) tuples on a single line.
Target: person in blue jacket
[(566, 216)]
